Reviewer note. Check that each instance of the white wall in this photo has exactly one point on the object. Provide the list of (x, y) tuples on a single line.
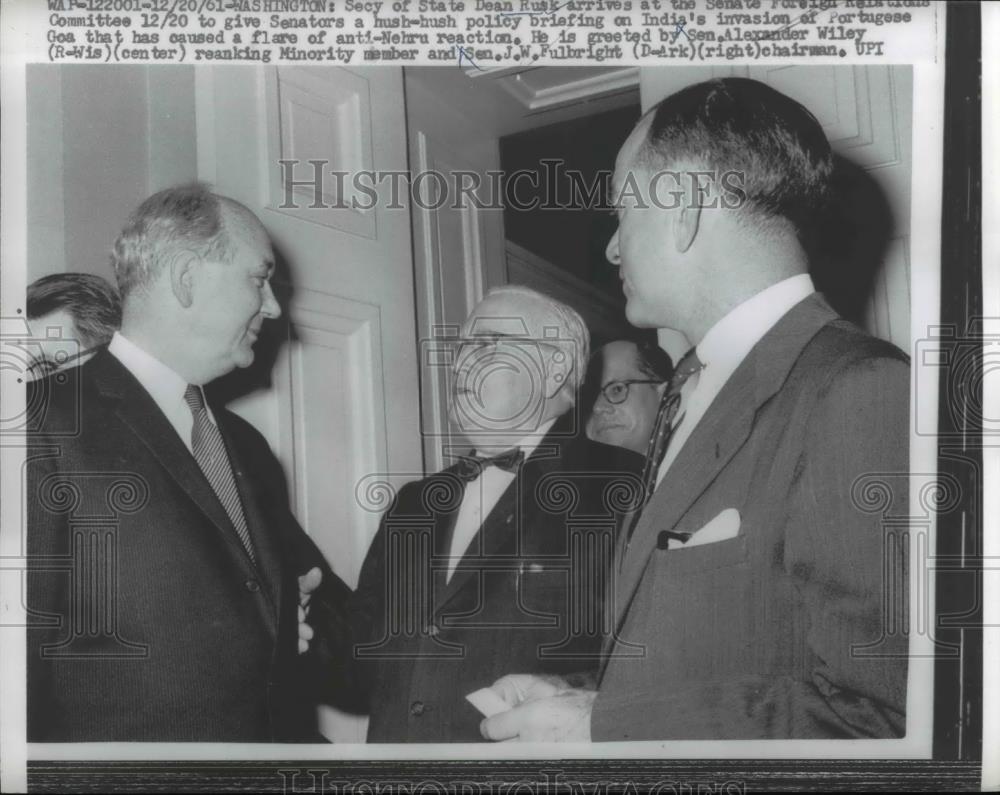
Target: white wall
[(100, 140)]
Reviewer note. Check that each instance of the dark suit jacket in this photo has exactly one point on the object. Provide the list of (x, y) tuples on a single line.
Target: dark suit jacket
[(161, 627), (526, 597), (793, 628)]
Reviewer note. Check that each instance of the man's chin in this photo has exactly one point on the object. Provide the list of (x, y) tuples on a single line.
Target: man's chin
[(635, 316), (244, 358), (612, 436)]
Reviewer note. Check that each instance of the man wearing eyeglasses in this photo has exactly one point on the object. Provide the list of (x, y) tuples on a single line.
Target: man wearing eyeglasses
[(629, 380), (499, 562)]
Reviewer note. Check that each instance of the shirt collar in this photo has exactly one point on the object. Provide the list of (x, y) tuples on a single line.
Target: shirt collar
[(163, 384), (729, 341)]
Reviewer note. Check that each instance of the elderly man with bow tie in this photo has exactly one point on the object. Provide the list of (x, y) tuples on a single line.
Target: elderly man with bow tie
[(499, 562)]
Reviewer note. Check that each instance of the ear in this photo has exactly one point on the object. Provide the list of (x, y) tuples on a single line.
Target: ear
[(183, 269), (686, 222), (700, 192)]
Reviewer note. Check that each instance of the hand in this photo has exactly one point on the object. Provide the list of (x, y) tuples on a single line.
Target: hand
[(308, 583), (515, 689), (562, 717)]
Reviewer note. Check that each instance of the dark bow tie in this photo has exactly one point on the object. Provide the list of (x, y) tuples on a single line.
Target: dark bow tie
[(469, 467)]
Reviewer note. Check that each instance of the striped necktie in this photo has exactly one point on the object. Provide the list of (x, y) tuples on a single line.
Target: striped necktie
[(210, 453), (664, 427)]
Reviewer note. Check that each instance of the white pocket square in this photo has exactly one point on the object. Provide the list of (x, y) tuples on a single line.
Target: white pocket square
[(723, 527)]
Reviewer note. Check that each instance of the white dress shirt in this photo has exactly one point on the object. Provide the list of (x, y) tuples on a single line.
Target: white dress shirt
[(481, 496), (161, 382), (724, 348)]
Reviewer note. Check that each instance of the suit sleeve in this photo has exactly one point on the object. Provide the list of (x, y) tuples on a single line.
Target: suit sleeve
[(325, 671), (358, 616), (330, 658), (849, 572), (847, 555)]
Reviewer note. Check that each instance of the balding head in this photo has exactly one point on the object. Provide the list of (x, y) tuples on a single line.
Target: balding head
[(194, 270), (712, 188), (774, 148), (522, 311), (179, 220)]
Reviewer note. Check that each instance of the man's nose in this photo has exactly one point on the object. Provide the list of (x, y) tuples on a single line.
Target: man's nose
[(611, 252), (603, 406), (270, 308)]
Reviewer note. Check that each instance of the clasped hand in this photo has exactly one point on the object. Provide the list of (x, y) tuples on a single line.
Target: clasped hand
[(308, 583), (544, 708)]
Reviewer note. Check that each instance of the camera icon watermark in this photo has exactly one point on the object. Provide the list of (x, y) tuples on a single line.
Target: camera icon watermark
[(500, 377), (44, 361)]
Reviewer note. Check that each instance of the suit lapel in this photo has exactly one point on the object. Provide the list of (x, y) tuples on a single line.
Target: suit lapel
[(709, 448), (139, 412), (722, 431), (442, 531), (270, 564), (498, 535), (495, 533)]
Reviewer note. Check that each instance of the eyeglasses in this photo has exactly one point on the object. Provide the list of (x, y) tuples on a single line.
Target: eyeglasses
[(617, 391)]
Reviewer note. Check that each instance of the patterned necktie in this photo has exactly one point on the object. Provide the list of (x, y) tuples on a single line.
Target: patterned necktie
[(664, 427), (210, 453), (469, 467)]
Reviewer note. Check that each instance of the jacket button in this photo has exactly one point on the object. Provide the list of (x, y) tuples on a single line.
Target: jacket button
[(417, 708), (252, 585)]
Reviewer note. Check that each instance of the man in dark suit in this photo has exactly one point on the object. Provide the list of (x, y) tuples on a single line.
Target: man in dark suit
[(766, 576), (163, 595), (500, 561)]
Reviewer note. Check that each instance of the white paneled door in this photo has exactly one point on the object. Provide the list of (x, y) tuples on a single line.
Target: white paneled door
[(458, 237), (343, 398)]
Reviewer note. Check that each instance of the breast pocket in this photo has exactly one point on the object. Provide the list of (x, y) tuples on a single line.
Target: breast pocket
[(705, 557)]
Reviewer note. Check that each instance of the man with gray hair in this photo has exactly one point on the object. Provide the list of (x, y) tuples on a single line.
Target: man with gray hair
[(178, 618), (486, 567)]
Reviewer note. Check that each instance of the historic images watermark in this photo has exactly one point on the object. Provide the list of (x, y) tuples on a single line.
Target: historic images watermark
[(314, 185), (317, 781)]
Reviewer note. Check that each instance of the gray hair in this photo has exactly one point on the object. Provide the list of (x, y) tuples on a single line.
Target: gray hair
[(566, 321), (184, 218)]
